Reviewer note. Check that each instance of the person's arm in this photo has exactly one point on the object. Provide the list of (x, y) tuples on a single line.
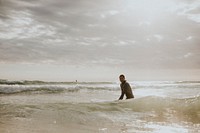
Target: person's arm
[(122, 95)]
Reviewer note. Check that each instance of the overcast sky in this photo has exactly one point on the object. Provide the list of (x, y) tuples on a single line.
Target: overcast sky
[(92, 40)]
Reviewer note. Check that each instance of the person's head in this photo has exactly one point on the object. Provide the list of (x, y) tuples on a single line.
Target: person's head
[(122, 78)]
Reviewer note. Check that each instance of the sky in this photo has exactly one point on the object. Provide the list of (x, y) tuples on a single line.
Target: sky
[(97, 40)]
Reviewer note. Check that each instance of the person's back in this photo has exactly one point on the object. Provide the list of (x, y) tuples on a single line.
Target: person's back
[(125, 88)]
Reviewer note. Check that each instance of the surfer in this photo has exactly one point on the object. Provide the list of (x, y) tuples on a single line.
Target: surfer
[(125, 88)]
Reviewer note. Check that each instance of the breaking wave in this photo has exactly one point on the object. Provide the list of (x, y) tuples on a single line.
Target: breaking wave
[(184, 109), (187, 109), (26, 89)]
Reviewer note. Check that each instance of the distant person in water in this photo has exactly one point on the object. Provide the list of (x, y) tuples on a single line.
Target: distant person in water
[(125, 88)]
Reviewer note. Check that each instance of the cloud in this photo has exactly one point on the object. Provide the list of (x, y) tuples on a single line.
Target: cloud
[(188, 55), (189, 38), (190, 9), (21, 25), (113, 12), (106, 33)]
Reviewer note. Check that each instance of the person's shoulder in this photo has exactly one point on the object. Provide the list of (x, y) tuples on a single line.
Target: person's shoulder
[(126, 83)]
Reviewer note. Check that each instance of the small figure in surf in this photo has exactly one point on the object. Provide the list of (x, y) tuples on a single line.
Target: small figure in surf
[(125, 88)]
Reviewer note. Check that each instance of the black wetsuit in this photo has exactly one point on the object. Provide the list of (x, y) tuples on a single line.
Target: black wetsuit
[(126, 89)]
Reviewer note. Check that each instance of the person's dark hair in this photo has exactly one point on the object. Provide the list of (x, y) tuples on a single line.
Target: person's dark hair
[(122, 76)]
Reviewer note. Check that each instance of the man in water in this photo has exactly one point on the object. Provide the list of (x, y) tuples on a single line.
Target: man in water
[(125, 88)]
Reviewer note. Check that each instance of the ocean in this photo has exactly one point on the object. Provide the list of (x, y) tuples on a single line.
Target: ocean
[(93, 107)]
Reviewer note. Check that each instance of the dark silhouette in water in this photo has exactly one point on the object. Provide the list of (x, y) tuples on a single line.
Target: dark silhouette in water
[(125, 88)]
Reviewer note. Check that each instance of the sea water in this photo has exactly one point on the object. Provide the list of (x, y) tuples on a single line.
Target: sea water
[(92, 107)]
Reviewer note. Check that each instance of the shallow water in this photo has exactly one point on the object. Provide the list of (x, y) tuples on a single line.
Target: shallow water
[(170, 107)]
